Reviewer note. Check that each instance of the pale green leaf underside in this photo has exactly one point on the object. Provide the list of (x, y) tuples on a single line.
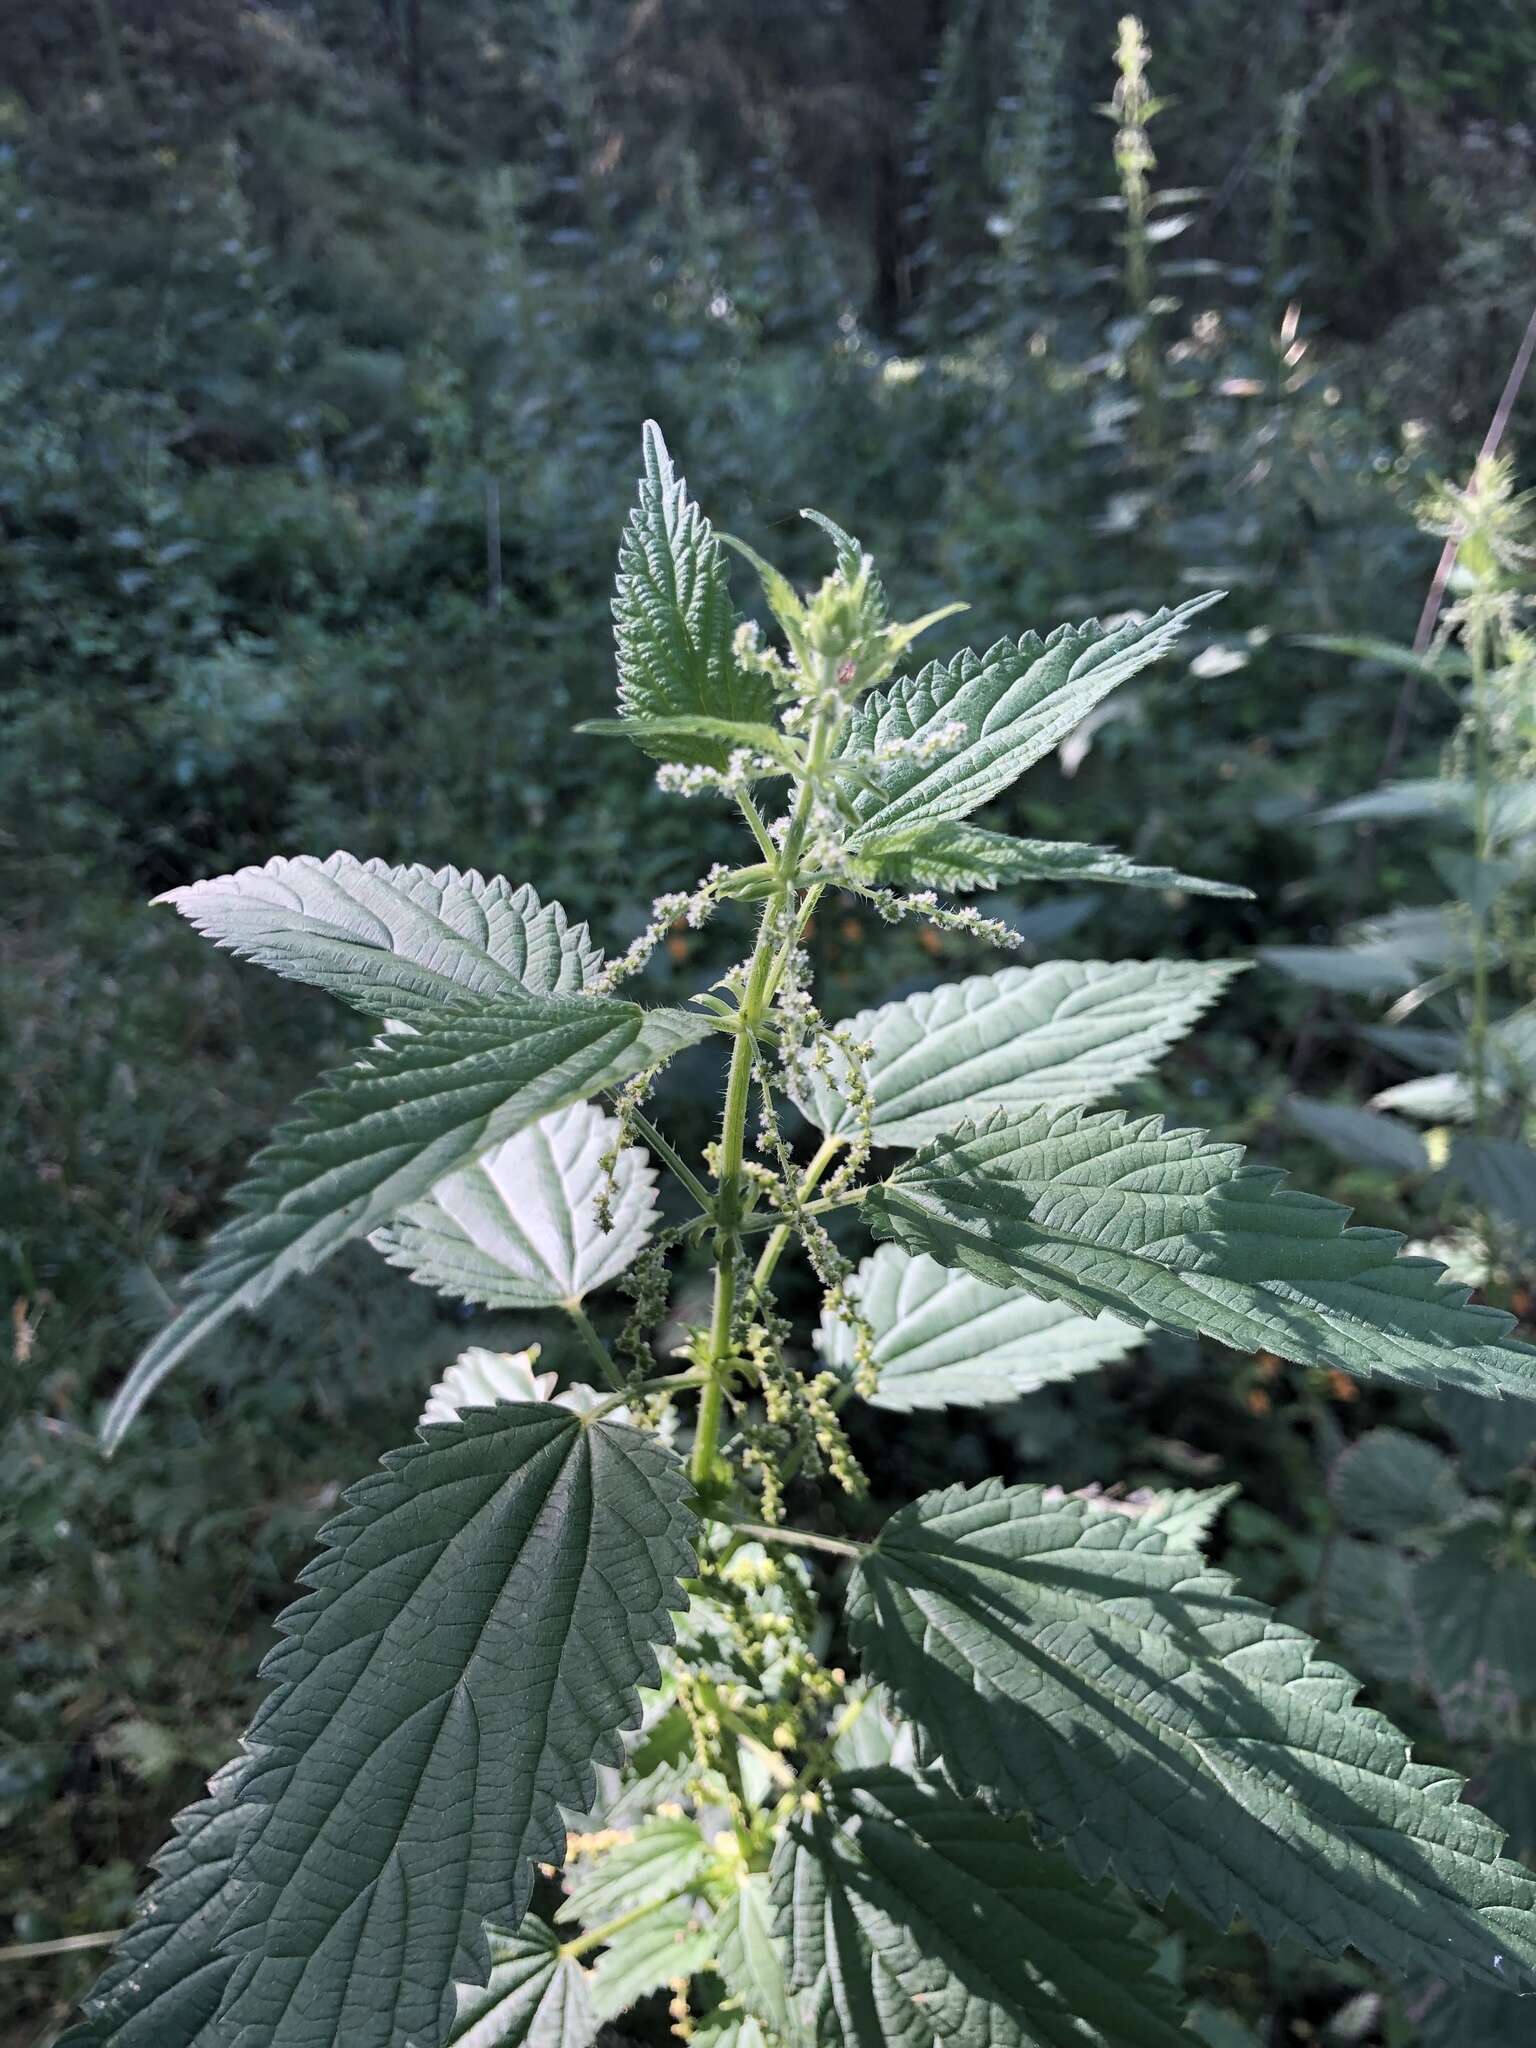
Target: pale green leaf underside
[(675, 1940), (1186, 1515), (661, 1857), (1070, 1664), (946, 1339), (394, 942), (479, 1378), (1109, 1212), (1432, 1098), (674, 621), (382, 1133), (726, 2028), (914, 1918), (956, 855), (1011, 705), (751, 1959), (1362, 1136), (519, 1228), (535, 1998), (471, 1645), (1070, 1031)]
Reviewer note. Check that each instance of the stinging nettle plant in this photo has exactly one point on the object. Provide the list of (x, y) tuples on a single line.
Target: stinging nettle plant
[(576, 1629)]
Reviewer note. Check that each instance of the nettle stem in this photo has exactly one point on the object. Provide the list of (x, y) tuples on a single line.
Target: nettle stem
[(778, 1243), (779, 928), (1477, 1035)]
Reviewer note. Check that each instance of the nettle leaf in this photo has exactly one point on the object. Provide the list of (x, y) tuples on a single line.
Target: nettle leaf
[(1499, 1174), (955, 855), (1187, 1515), (1432, 1098), (672, 737), (1068, 1031), (945, 1339), (476, 1630), (1074, 1666), (394, 942), (726, 2028), (942, 743), (914, 1917), (1347, 970), (536, 1998), (1361, 1136), (1491, 1440), (519, 1228), (166, 1978), (479, 1378), (1395, 802), (752, 1960), (1477, 1621), (1105, 1211), (1367, 1591), (383, 1132), (675, 1940), (661, 1858), (1396, 1486), (674, 621)]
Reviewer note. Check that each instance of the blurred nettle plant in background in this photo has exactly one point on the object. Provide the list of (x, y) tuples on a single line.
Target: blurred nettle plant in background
[(1461, 973), (937, 1787)]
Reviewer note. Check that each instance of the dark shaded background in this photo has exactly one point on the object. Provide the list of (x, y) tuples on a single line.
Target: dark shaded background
[(328, 330)]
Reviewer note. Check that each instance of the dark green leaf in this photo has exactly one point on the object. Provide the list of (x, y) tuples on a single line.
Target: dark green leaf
[(477, 1627), (956, 855), (1071, 1665), (1109, 1212), (960, 732), (674, 621), (915, 1918), (381, 1133)]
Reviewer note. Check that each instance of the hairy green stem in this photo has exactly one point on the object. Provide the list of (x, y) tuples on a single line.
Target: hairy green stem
[(727, 1205), (763, 973), (666, 1152), (799, 1539), (777, 1244), (596, 1348), (594, 1937), (1477, 1036)]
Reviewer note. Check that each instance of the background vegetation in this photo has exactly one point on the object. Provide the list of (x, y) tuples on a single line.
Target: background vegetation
[(328, 331)]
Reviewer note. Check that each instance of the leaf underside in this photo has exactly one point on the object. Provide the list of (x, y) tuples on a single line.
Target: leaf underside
[(913, 1918), (382, 1133), (535, 1997), (1071, 1665), (519, 1228), (1108, 1212), (946, 1339), (392, 941), (1070, 1031)]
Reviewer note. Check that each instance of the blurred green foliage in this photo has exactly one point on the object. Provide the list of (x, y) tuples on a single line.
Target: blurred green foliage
[(329, 329)]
